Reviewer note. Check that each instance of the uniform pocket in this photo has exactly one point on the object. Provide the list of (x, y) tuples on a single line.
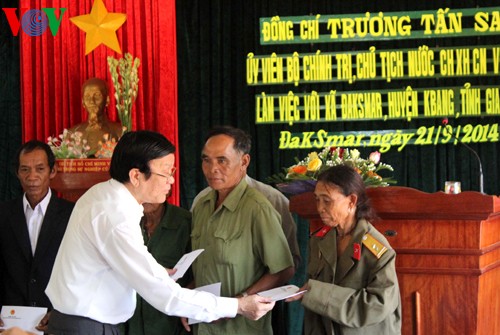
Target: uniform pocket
[(230, 244)]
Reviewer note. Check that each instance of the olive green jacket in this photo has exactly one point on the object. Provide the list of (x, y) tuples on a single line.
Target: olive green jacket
[(350, 296)]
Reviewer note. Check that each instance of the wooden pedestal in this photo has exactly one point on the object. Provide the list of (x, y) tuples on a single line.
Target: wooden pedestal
[(75, 176), (448, 256)]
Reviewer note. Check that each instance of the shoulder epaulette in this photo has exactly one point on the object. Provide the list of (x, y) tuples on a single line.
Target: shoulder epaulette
[(376, 248)]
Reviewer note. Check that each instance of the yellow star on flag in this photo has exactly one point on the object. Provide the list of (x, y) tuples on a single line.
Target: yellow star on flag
[(100, 27)]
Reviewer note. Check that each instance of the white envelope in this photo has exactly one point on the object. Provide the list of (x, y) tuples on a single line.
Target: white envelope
[(185, 262), (281, 293), (26, 318)]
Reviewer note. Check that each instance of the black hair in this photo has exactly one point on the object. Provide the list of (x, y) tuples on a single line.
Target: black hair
[(242, 140), (134, 150), (348, 181), (31, 146)]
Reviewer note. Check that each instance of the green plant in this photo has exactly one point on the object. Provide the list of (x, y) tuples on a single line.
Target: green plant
[(125, 82)]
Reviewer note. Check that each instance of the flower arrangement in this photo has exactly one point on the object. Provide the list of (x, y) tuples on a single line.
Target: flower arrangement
[(126, 83), (106, 148), (69, 145), (302, 176)]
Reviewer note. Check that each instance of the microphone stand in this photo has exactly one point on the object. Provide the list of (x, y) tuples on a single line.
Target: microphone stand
[(481, 178)]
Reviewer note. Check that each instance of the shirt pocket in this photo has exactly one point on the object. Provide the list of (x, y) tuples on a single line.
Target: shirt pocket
[(195, 238), (230, 245)]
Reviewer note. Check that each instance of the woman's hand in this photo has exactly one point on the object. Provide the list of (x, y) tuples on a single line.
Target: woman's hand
[(299, 296)]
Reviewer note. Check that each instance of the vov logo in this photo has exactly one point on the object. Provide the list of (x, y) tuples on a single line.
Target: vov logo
[(34, 22)]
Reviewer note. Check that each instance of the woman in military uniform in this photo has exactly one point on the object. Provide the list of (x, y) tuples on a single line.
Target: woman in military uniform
[(352, 286)]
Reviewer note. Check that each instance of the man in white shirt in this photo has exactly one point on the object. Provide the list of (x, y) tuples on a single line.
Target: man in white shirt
[(103, 261), (31, 229)]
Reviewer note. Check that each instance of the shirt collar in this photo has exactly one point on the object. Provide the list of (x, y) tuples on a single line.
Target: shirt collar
[(42, 205), (233, 198), (128, 198)]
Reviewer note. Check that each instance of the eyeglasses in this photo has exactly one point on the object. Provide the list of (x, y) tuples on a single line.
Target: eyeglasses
[(170, 174)]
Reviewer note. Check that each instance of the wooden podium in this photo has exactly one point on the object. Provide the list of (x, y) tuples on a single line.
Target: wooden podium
[(75, 176), (448, 256)]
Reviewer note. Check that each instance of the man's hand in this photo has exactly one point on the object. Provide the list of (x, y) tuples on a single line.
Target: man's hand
[(254, 307), (185, 324), (43, 326)]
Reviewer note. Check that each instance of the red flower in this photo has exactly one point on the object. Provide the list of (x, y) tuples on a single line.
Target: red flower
[(299, 169), (341, 152), (445, 121)]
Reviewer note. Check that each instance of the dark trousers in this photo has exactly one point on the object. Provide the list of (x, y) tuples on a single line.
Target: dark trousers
[(64, 324), (279, 318)]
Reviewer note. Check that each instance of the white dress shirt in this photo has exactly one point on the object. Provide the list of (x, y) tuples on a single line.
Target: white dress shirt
[(34, 217), (102, 262)]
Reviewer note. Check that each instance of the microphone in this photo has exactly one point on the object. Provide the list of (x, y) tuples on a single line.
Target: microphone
[(481, 177)]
